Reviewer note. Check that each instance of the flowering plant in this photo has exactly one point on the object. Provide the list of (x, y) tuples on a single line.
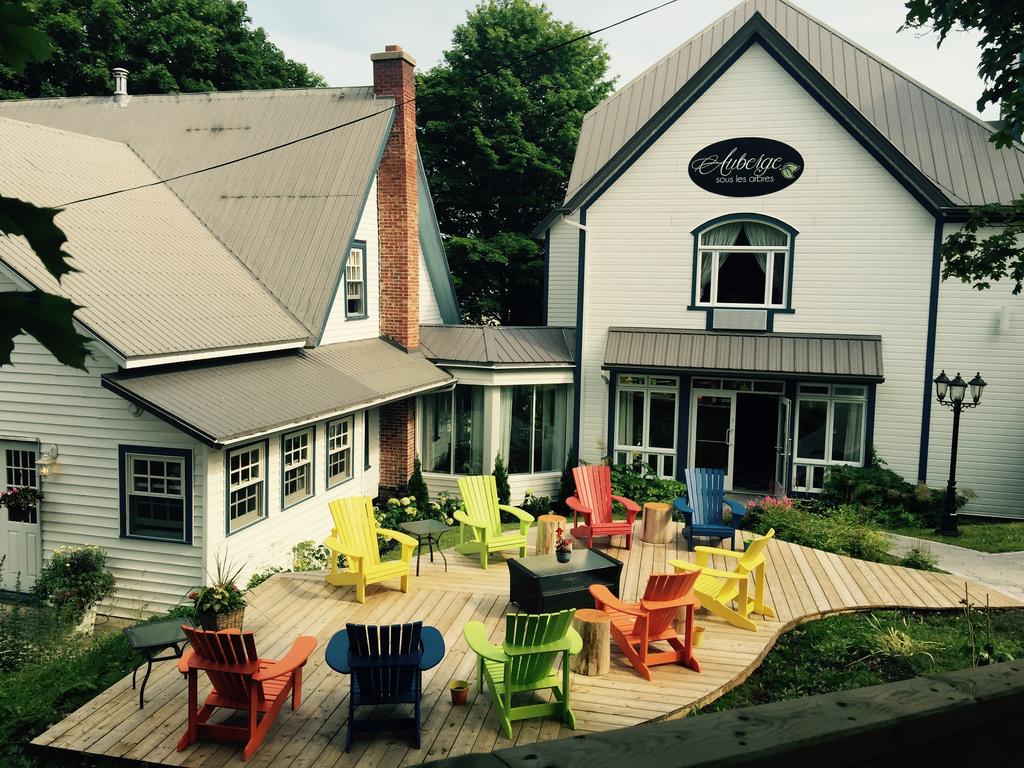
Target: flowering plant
[(770, 504), (75, 577), (445, 507), (19, 499), (562, 544), (220, 596)]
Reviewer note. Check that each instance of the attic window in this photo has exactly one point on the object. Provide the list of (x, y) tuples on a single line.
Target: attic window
[(355, 282), (743, 264)]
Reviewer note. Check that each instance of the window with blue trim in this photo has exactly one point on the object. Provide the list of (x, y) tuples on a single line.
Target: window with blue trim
[(297, 466), (355, 281), (743, 263), (156, 497), (247, 485)]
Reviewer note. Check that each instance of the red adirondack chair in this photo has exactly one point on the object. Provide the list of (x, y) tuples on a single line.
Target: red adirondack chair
[(636, 625), (593, 500), (241, 680)]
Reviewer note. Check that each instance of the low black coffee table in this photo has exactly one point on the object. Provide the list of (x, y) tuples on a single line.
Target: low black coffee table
[(149, 639), (541, 584), (431, 531)]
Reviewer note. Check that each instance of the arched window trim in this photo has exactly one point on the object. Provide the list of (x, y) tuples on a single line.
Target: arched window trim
[(786, 306)]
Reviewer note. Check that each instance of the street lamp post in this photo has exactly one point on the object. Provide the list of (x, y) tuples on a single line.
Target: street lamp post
[(951, 393)]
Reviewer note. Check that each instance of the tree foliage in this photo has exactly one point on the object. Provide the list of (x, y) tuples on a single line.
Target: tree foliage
[(168, 46), (499, 122), (973, 255)]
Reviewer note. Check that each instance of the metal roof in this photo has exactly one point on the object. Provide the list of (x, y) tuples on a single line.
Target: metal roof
[(790, 354), (152, 279), (945, 143), (498, 345), (287, 214), (232, 402)]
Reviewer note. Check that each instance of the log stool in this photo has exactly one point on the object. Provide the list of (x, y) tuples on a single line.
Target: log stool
[(657, 523), (595, 628), (546, 527)]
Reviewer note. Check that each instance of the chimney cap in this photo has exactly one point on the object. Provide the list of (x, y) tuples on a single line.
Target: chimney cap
[(120, 81), (392, 52)]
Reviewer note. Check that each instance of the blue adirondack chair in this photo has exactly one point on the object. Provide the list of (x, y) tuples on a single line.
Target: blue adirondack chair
[(386, 664), (702, 507)]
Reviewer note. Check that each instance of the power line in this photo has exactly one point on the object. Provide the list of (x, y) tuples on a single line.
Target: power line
[(354, 121)]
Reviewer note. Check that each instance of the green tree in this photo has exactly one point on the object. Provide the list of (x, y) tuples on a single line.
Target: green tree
[(168, 46), (45, 316), (975, 254), (501, 481), (499, 122)]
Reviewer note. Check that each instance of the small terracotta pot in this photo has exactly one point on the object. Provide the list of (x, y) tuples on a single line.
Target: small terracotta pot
[(698, 636), (460, 690)]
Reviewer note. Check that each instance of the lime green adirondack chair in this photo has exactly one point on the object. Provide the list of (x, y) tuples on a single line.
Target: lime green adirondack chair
[(526, 662), (480, 520), (354, 536)]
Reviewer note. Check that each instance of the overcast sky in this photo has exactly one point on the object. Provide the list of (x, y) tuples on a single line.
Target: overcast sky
[(336, 37)]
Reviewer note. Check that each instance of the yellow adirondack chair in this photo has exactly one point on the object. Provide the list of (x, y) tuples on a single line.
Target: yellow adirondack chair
[(480, 520), (354, 536), (717, 589)]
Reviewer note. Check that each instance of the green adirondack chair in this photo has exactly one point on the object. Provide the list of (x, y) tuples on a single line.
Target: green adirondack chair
[(526, 662), (480, 520)]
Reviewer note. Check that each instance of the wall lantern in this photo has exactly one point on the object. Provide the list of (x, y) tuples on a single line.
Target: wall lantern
[(47, 461)]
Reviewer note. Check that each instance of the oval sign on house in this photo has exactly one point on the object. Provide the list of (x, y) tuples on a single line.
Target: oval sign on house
[(746, 167)]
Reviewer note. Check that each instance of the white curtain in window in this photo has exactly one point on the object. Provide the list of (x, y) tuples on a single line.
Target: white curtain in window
[(763, 235), (723, 234)]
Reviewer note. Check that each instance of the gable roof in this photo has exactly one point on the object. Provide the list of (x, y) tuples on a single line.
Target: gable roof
[(184, 291), (937, 142), (263, 209), (489, 346)]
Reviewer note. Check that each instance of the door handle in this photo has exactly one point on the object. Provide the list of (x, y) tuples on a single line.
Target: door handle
[(728, 436)]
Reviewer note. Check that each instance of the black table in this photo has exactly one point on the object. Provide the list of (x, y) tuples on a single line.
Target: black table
[(149, 639), (431, 531), (541, 584), (336, 654)]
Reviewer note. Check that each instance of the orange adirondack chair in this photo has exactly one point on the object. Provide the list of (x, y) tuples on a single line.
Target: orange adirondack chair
[(241, 680), (636, 625), (593, 500)]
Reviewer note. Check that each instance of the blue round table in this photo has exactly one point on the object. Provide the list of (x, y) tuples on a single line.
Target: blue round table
[(336, 654)]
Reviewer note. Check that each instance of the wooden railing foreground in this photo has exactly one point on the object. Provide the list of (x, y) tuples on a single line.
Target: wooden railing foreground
[(973, 715)]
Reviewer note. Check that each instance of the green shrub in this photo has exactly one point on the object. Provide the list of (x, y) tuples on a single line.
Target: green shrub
[(641, 484), (841, 530), (536, 505), (416, 488), (501, 481), (393, 513), (919, 559), (310, 556), (259, 577), (445, 507), (75, 578), (567, 484)]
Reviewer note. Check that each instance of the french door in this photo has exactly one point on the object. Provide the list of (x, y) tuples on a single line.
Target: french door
[(713, 416), (783, 447), (20, 539)]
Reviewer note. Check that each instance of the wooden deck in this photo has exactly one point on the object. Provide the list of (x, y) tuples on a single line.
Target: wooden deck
[(803, 584)]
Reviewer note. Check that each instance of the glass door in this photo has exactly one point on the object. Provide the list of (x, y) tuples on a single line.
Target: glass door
[(783, 446), (714, 424)]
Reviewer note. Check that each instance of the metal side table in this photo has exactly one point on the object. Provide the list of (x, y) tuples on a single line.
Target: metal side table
[(430, 531), (150, 639)]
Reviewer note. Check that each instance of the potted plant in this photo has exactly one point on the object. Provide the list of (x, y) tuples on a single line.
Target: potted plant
[(75, 579), (563, 546), (220, 604), (21, 503)]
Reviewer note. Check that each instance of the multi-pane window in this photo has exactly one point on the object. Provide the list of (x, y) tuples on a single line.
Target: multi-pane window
[(533, 427), (646, 415), (247, 485), (339, 450), (20, 472), (453, 431), (297, 466), (831, 424), (743, 264), (355, 281), (157, 489)]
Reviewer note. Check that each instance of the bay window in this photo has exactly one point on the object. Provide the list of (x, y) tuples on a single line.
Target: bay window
[(743, 264), (533, 427), (646, 415), (452, 439), (831, 424)]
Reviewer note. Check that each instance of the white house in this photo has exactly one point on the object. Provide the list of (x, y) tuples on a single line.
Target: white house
[(254, 328), (749, 252)]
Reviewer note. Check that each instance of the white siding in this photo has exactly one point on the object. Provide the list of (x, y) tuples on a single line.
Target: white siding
[(269, 541), (54, 404), (862, 261), (430, 312), (982, 331), (563, 267), (337, 327)]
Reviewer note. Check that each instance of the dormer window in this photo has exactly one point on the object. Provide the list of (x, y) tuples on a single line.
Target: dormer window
[(743, 263)]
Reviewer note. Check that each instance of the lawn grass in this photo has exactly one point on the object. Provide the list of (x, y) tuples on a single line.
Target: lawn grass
[(977, 534), (846, 651)]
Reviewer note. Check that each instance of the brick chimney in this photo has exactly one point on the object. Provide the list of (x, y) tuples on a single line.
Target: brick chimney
[(398, 228), (397, 203)]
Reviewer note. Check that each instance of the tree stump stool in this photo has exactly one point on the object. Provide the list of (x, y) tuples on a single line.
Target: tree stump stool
[(657, 523), (595, 627), (546, 527)]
